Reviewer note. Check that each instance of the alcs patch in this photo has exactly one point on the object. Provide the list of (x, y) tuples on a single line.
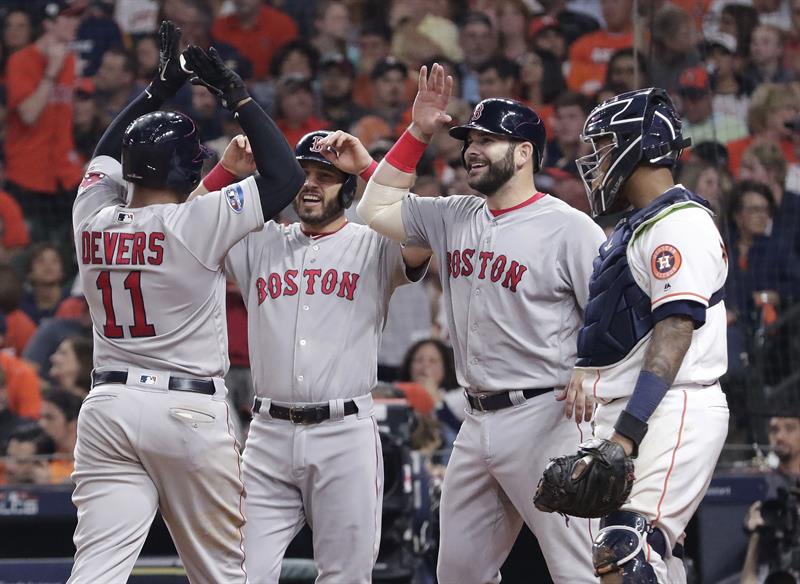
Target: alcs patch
[(235, 197), (666, 261), (91, 178)]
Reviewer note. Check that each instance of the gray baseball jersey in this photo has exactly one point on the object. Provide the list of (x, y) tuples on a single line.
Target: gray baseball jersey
[(514, 282), (153, 275), (316, 308)]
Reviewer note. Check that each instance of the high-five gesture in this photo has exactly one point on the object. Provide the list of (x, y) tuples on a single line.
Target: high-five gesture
[(429, 114), (171, 76)]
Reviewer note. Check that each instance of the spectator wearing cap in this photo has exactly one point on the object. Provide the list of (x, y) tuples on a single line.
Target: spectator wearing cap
[(26, 454), (565, 145), (766, 58), (498, 77), (774, 12), (589, 55), (547, 35), (88, 121), (115, 82), (22, 385), (478, 40), (416, 42), (256, 30), (295, 108), (674, 41), (627, 71), (59, 420), (570, 20), (726, 82), (336, 78), (42, 166), (97, 33), (772, 105), (19, 327), (332, 26), (700, 122)]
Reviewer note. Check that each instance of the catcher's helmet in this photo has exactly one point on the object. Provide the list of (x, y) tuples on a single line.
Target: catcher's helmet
[(308, 149), (505, 117), (642, 126), (162, 150)]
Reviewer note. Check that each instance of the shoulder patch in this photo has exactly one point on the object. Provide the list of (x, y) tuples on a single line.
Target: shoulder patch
[(665, 262), (91, 178), (235, 197)]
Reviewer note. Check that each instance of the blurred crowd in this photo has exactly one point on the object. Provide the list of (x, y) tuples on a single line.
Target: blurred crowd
[(67, 68)]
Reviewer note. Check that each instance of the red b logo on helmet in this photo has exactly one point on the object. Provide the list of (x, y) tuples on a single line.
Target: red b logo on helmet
[(477, 113), (315, 147)]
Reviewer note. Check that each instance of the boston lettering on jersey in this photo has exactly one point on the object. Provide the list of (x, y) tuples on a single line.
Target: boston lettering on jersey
[(498, 268), (122, 249), (342, 284)]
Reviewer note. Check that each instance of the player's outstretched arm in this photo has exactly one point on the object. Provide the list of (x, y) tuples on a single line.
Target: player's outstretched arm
[(671, 339), (381, 205), (169, 79), (280, 174)]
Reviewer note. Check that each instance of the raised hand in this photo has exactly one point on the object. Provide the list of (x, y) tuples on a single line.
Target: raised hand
[(429, 115), (238, 157), (220, 79), (171, 76), (345, 152)]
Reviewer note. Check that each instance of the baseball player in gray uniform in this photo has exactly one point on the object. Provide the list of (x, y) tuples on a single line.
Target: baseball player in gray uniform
[(515, 277), (154, 433), (317, 293)]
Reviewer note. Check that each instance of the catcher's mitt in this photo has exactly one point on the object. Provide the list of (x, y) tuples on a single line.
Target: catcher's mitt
[(603, 481)]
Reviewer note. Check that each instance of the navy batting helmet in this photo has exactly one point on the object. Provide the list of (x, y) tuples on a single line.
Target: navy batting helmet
[(633, 128), (162, 150), (308, 149), (506, 117)]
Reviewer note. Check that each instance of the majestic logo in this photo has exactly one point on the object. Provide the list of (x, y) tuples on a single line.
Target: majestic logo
[(235, 197), (477, 113), (665, 262), (91, 178)]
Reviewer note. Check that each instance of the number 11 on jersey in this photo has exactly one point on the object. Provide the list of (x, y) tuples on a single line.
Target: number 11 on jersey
[(133, 284)]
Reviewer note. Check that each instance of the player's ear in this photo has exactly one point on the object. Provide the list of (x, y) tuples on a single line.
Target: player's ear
[(523, 152)]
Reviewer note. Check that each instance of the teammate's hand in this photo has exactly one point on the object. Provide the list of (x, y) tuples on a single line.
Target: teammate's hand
[(171, 76), (238, 157), (221, 80), (576, 399), (429, 112), (345, 152)]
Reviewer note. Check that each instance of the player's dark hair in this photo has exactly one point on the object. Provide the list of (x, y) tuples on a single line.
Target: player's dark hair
[(68, 403), (449, 381), (750, 186)]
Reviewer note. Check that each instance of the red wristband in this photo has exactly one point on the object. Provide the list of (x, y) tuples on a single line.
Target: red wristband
[(369, 171), (406, 152), (218, 177)]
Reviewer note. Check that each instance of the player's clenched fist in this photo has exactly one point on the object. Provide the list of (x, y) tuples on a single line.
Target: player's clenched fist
[(428, 114), (345, 152)]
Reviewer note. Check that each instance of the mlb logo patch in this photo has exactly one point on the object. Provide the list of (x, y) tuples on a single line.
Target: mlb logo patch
[(235, 197), (123, 217), (148, 379), (665, 262)]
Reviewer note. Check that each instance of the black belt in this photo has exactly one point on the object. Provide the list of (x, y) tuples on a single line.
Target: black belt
[(204, 386), (304, 414), (500, 400)]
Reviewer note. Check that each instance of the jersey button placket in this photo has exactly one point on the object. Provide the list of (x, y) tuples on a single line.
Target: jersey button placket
[(476, 310)]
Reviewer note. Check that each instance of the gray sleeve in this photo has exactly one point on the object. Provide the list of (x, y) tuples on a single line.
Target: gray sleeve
[(423, 220), (582, 240), (237, 265)]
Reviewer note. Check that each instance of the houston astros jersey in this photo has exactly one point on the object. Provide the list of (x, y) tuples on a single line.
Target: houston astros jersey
[(153, 275), (514, 282), (316, 307), (676, 256)]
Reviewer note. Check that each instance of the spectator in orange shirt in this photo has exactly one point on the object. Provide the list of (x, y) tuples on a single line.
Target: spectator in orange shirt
[(296, 107), (13, 230), (19, 326), (590, 54), (59, 421), (42, 165), (256, 30), (22, 384)]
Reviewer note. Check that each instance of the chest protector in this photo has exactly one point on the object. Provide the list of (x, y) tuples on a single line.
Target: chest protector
[(618, 314)]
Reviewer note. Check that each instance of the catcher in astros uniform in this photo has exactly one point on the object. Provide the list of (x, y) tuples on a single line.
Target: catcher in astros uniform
[(154, 432), (317, 293), (515, 270), (651, 349)]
